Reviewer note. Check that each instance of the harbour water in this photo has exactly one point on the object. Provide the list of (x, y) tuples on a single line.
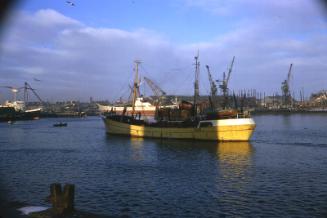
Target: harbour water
[(281, 172)]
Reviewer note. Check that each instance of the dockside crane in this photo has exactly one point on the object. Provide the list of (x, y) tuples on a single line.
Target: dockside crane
[(224, 84), (154, 87), (213, 89), (14, 91), (158, 92), (26, 88), (29, 87), (287, 98)]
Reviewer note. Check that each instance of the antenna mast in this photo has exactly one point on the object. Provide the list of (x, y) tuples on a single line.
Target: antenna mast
[(136, 84), (196, 83)]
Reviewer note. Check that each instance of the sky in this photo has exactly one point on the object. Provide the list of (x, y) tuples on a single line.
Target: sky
[(88, 50)]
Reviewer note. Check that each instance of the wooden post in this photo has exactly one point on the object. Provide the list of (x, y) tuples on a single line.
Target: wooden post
[(55, 197), (69, 192), (62, 202)]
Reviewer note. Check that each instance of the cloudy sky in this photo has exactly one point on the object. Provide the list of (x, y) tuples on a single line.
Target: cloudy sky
[(88, 49)]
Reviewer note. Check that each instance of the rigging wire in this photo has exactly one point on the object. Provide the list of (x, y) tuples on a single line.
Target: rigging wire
[(185, 82), (124, 88)]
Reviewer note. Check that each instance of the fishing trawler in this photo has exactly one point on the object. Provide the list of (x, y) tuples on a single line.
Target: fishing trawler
[(183, 123)]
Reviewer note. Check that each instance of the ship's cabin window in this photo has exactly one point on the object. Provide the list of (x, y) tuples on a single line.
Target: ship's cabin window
[(205, 124)]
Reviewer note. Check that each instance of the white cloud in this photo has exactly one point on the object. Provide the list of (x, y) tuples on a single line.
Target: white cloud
[(78, 61), (49, 17)]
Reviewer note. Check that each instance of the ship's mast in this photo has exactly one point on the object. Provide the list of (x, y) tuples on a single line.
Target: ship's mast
[(136, 84), (196, 83)]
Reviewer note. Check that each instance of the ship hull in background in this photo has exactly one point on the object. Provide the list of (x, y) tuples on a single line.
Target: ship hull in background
[(10, 114)]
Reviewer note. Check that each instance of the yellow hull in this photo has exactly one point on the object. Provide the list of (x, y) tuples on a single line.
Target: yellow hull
[(224, 130)]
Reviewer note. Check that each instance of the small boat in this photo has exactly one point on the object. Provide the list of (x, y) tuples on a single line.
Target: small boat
[(61, 124)]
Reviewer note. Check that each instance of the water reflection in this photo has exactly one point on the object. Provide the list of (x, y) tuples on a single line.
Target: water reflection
[(188, 145), (137, 149), (287, 120), (234, 164), (231, 159), (234, 153)]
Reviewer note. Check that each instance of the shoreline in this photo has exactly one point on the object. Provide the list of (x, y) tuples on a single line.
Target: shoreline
[(285, 112)]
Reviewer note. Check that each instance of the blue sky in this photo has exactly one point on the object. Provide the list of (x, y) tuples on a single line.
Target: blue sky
[(89, 49), (170, 17)]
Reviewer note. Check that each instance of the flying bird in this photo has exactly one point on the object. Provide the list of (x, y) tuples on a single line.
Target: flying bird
[(37, 80), (70, 3)]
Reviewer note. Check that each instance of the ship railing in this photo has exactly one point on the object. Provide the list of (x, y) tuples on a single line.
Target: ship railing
[(239, 115), (244, 114)]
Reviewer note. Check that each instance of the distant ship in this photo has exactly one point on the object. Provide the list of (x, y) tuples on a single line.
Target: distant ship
[(141, 107), (7, 113), (220, 126), (16, 110)]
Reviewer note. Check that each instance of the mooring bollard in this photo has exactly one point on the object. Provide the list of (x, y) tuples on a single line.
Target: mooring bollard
[(62, 202)]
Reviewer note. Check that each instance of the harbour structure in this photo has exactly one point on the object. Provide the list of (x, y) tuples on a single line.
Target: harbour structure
[(183, 122), (18, 110), (213, 90), (224, 84), (287, 97)]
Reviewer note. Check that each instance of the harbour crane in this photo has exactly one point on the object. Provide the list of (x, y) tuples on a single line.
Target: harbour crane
[(29, 87), (287, 98), (14, 90), (26, 87), (213, 89), (158, 92), (154, 87), (224, 84)]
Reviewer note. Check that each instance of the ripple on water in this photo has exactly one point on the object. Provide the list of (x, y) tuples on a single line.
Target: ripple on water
[(278, 174)]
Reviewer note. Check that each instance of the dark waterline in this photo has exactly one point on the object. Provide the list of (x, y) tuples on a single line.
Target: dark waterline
[(281, 172)]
